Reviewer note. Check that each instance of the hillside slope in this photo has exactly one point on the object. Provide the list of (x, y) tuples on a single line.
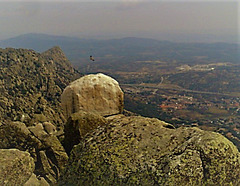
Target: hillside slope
[(31, 84)]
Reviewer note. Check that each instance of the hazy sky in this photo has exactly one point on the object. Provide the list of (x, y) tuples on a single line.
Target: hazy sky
[(208, 20)]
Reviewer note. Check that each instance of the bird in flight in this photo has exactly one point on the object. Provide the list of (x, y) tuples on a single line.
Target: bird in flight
[(91, 58)]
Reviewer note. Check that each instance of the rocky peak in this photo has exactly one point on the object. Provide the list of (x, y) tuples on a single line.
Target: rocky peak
[(57, 56), (55, 53), (55, 50), (31, 84)]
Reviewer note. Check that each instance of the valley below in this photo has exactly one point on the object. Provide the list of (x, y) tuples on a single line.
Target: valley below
[(202, 93)]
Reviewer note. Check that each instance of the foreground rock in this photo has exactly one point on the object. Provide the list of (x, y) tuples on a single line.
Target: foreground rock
[(46, 150), (16, 167), (142, 151), (93, 93)]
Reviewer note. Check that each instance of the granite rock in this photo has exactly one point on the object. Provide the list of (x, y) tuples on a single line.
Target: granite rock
[(146, 151), (96, 93)]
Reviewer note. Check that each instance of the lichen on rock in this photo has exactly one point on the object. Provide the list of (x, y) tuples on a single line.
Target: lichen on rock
[(143, 151)]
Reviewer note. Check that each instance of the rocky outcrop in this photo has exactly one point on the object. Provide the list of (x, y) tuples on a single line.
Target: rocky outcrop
[(31, 117), (31, 84), (93, 93), (16, 167), (144, 151), (49, 155)]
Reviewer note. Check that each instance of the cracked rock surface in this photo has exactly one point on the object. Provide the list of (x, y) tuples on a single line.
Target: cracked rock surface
[(136, 150)]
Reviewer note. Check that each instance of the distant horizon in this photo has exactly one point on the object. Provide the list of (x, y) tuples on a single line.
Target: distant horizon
[(176, 21), (185, 38)]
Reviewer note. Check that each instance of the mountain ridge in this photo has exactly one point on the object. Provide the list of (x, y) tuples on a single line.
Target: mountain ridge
[(78, 50)]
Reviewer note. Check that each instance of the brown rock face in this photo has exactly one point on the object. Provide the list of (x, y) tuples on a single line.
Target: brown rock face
[(93, 93)]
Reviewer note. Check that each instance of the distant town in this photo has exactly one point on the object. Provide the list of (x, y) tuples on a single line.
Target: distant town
[(210, 112)]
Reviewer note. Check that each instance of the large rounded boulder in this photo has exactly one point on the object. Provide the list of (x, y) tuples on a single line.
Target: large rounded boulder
[(97, 93)]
